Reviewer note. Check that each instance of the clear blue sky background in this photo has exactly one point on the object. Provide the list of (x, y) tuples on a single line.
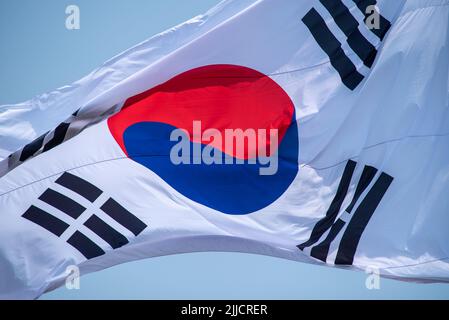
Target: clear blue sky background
[(38, 54)]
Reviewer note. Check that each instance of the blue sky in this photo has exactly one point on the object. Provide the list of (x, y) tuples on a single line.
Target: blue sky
[(39, 54)]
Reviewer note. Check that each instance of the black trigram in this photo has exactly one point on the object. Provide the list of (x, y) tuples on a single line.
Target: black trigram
[(47, 141), (74, 210), (359, 220), (77, 122), (366, 51)]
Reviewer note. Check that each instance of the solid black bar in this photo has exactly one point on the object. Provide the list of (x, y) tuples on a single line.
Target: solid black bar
[(46, 220), (322, 34), (325, 223), (349, 25), (123, 216), (366, 178), (363, 48), (80, 186), (353, 233), (58, 136), (63, 203), (83, 244), (384, 24), (31, 148), (320, 251), (363, 4), (106, 232), (176, 309), (332, 47)]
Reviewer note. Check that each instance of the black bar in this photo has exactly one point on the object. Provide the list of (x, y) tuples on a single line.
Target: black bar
[(325, 223), (84, 245), (363, 214), (106, 232), (31, 148), (63, 203), (80, 186), (253, 308), (366, 178), (350, 27), (123, 216), (384, 24), (332, 47), (46, 220), (58, 136), (320, 251), (363, 48)]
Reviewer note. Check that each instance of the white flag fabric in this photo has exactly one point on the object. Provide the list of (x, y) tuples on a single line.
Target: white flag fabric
[(356, 92)]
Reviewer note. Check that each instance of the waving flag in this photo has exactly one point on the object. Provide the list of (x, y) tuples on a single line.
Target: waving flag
[(312, 130)]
